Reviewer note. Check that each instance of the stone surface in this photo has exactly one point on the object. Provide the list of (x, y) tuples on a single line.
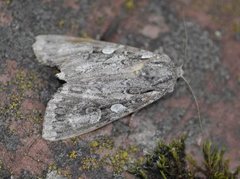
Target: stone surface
[(211, 66)]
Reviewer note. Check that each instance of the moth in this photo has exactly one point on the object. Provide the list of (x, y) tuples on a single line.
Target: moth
[(103, 82)]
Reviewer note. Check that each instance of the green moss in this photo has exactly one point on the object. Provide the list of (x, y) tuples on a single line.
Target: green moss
[(170, 161), (94, 144), (214, 165), (90, 163), (166, 161), (74, 140), (62, 172), (102, 143), (36, 116), (61, 23), (17, 89), (25, 81), (15, 102), (52, 166), (73, 154), (107, 156), (119, 161)]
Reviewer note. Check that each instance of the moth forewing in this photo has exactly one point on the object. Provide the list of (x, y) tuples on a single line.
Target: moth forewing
[(104, 82)]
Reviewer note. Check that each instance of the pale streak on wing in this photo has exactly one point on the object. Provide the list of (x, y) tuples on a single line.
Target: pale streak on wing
[(55, 50)]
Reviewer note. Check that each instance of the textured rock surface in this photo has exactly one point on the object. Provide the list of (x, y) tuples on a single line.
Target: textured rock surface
[(211, 64)]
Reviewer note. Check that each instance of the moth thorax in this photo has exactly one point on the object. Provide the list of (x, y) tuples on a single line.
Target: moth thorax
[(157, 73)]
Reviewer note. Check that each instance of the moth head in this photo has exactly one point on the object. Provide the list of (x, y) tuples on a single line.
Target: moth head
[(160, 73), (179, 71)]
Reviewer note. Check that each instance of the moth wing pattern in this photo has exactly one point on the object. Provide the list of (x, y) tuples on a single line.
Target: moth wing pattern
[(104, 82)]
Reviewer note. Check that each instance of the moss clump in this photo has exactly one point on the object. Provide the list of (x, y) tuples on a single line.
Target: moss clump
[(214, 165), (119, 161), (166, 161), (52, 166), (102, 143), (14, 102), (73, 154), (94, 144), (90, 163), (170, 161)]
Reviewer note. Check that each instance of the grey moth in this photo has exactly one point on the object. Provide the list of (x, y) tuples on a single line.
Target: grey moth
[(104, 82)]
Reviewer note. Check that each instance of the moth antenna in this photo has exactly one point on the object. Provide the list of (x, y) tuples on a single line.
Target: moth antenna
[(195, 100), (186, 38), (186, 81)]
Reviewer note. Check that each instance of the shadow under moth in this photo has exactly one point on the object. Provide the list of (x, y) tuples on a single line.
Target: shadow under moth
[(104, 82)]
